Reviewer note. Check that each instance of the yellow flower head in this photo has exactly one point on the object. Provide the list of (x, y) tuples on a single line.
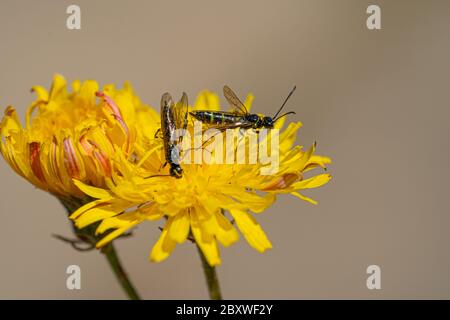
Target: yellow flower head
[(207, 204), (71, 135)]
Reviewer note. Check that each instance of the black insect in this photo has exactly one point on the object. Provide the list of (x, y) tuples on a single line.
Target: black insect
[(239, 117), (173, 117)]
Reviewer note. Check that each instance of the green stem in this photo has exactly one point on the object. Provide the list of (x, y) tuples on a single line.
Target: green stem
[(121, 275), (211, 278)]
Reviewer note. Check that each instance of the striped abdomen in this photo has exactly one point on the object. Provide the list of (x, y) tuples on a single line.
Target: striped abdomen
[(215, 117)]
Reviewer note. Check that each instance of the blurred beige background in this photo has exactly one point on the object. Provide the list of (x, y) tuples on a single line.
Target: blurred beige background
[(377, 102)]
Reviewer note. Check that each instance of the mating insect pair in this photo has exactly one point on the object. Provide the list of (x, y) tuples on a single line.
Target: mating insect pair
[(175, 116)]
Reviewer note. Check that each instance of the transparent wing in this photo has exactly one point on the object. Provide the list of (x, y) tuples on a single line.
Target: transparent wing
[(237, 106), (166, 104), (180, 112)]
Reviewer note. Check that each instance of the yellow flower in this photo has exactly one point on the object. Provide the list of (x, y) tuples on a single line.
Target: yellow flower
[(72, 135), (208, 205)]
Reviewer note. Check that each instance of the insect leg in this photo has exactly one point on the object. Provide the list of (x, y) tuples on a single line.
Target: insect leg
[(157, 132)]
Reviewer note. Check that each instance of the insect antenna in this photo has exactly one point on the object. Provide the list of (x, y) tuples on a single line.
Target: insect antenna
[(283, 115), (284, 103)]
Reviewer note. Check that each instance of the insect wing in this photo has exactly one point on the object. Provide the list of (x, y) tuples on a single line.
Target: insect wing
[(180, 115), (180, 112), (237, 106), (166, 106)]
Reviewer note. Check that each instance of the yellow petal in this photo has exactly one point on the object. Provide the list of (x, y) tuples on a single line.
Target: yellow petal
[(92, 191), (305, 157), (249, 101), (205, 240), (251, 230), (86, 207), (224, 231), (208, 203), (164, 246), (315, 161), (150, 211), (76, 85), (92, 216), (116, 233), (288, 136), (207, 100), (302, 197), (179, 230), (250, 200), (119, 221), (58, 86), (41, 93), (87, 92), (10, 123), (101, 212), (313, 182)]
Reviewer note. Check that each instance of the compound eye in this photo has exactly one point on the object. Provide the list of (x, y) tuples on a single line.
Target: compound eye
[(268, 121)]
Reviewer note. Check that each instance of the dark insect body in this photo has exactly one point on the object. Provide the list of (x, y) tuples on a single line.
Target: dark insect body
[(173, 117), (239, 117)]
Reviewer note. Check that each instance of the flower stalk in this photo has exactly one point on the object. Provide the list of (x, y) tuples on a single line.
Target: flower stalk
[(121, 275), (211, 277)]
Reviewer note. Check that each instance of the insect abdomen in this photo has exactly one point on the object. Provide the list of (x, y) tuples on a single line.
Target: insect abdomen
[(214, 117)]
